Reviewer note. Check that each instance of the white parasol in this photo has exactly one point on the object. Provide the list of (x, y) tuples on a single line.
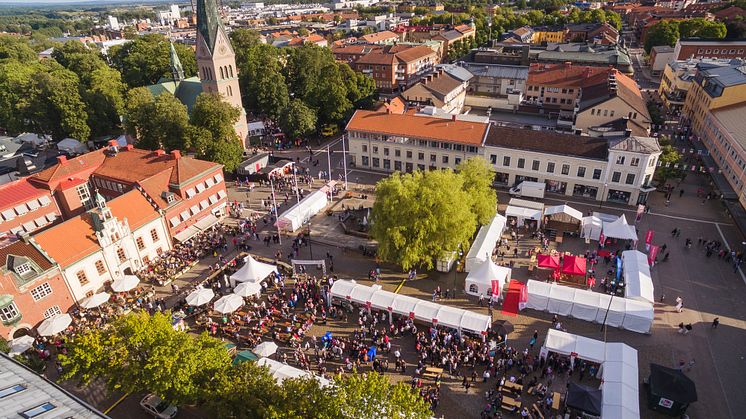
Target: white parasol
[(54, 324), (248, 289), (95, 300), (125, 284), (265, 349), (21, 345), (200, 297), (228, 303)]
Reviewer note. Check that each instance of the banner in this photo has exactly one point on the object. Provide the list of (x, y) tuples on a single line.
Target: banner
[(618, 268), (649, 239), (601, 239), (653, 253), (640, 211)]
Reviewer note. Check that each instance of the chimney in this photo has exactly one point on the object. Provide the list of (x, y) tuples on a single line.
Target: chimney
[(176, 154), (453, 117), (113, 143), (62, 160), (627, 133), (159, 152), (129, 147)]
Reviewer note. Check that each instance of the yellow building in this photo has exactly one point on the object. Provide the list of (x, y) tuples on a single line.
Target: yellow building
[(548, 34), (712, 88), (677, 78)]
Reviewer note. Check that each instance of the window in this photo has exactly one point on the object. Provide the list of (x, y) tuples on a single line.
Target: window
[(82, 278), (8, 391), (420, 156), (38, 410), (457, 160), (493, 159), (385, 151), (593, 112), (521, 163), (397, 153), (506, 160), (85, 196), (89, 293), (365, 160), (100, 268), (375, 150), (23, 269), (154, 235), (159, 251), (616, 176), (365, 148), (433, 158), (630, 179), (634, 161), (376, 162), (565, 169), (473, 289), (620, 160), (409, 154), (445, 160), (9, 313), (121, 255), (597, 174), (550, 167), (535, 165), (52, 311), (41, 291), (140, 245), (581, 171)]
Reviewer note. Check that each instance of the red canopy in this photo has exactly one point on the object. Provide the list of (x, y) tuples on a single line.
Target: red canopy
[(573, 265), (548, 261)]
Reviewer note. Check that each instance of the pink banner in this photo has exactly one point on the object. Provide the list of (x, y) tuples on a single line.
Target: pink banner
[(653, 253), (649, 237), (640, 211), (601, 239)]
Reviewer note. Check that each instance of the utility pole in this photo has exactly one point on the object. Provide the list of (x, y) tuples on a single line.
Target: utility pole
[(274, 204), (344, 159)]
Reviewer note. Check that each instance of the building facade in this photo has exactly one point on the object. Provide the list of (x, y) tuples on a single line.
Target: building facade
[(724, 135), (715, 49), (396, 67), (711, 89), (496, 80), (31, 288), (438, 89)]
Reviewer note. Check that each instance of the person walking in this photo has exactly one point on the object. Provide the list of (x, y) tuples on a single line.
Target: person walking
[(715, 322), (679, 304)]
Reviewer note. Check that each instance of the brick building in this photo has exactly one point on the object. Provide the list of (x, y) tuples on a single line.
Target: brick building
[(392, 67), (25, 208), (709, 48)]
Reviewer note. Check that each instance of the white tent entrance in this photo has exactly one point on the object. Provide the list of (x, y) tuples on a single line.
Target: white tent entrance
[(252, 271), (300, 265), (481, 280)]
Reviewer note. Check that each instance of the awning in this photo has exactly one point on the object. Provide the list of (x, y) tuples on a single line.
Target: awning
[(186, 234), (206, 222), (520, 212)]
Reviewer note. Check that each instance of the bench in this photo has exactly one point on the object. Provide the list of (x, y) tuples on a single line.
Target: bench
[(430, 375), (510, 404), (434, 370), (537, 411), (556, 401)]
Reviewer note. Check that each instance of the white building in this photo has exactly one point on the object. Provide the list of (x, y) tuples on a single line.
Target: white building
[(618, 170), (113, 23), (107, 242)]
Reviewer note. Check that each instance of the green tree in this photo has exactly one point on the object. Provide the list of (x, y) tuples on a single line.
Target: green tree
[(146, 59), (701, 28), (669, 159), (104, 98), (4, 346), (418, 217), (298, 120), (246, 391), (15, 83), (478, 176), (140, 351), (371, 395), (16, 48), (55, 106), (662, 33), (215, 137), (157, 122)]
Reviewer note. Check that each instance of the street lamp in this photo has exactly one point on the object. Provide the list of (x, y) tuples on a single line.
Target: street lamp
[(603, 194), (455, 270)]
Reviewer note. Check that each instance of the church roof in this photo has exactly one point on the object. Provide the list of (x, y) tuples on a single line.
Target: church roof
[(185, 90), (208, 22)]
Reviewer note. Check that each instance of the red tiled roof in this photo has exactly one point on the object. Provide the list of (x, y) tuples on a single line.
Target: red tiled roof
[(75, 238), (465, 132), (80, 166), (379, 36), (23, 249), (18, 192), (566, 75)]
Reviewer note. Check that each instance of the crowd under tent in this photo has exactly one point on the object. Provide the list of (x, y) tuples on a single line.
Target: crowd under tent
[(414, 308), (303, 211), (618, 372), (638, 284), (252, 271), (485, 242), (670, 391), (563, 218), (278, 168), (619, 229), (523, 210), (281, 372), (487, 279)]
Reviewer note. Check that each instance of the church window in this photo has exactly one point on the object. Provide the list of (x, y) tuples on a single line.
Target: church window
[(120, 254), (222, 76), (230, 67)]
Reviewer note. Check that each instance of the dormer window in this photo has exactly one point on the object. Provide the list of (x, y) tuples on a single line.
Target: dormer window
[(23, 269)]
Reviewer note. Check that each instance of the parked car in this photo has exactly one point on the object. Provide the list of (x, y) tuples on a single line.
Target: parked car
[(158, 407)]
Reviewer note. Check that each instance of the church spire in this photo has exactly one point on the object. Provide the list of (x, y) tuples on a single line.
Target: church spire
[(177, 71), (208, 22)]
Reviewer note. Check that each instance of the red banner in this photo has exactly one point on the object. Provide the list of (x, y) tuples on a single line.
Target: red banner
[(640, 211), (649, 237), (652, 255), (601, 239)]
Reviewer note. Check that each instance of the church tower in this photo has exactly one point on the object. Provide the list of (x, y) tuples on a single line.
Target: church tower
[(216, 61)]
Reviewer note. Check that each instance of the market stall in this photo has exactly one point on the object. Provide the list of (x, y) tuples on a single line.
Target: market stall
[(252, 271), (638, 283), (638, 316), (670, 391), (586, 305), (575, 267), (560, 300), (303, 211), (485, 242), (562, 218), (611, 310), (619, 229), (538, 295), (590, 228), (487, 279)]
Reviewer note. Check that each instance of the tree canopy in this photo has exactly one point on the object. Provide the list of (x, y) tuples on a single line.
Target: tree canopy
[(146, 59), (421, 216), (214, 137), (667, 32)]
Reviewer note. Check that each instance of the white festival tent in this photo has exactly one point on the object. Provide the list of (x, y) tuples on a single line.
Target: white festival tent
[(71, 146), (425, 311), (561, 300), (252, 271), (638, 284), (300, 213), (485, 242), (479, 281), (564, 213), (281, 371), (591, 227), (538, 295), (619, 229), (618, 372), (625, 313)]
